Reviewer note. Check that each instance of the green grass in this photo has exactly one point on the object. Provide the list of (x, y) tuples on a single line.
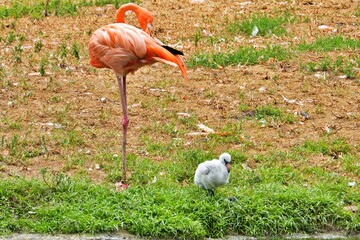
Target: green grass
[(357, 12), (274, 199), (342, 66), (271, 113), (271, 202), (266, 25), (252, 56), (326, 44), (17, 9), (325, 147), (243, 55)]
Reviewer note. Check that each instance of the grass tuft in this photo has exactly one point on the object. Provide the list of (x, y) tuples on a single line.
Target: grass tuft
[(269, 112), (17, 9), (266, 25), (345, 66), (334, 43), (243, 55)]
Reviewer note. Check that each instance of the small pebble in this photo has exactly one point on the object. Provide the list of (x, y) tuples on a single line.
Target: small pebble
[(262, 89)]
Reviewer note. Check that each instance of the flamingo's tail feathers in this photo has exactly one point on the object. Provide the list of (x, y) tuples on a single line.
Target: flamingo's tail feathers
[(182, 67), (161, 54), (173, 50)]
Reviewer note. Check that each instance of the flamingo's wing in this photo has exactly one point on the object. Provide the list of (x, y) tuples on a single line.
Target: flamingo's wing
[(117, 46)]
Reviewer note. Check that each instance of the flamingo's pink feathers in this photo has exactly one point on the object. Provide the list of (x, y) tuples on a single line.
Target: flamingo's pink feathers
[(125, 49)]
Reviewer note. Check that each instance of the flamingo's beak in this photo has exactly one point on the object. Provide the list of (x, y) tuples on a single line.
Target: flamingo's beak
[(149, 29)]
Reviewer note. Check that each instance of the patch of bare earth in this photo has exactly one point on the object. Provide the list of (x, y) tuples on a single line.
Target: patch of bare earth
[(70, 92)]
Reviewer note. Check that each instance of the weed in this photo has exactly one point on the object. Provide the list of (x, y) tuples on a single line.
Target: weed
[(43, 64), (2, 72), (325, 64), (268, 112), (18, 50), (265, 24), (63, 50), (230, 133), (251, 56), (38, 46), (22, 38), (13, 145), (330, 44), (324, 146), (72, 138), (341, 65), (54, 180), (243, 55), (357, 12), (18, 9), (197, 37), (75, 50), (10, 38), (310, 66)]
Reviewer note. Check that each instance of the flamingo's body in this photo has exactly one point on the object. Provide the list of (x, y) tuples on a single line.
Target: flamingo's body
[(124, 49), (210, 175)]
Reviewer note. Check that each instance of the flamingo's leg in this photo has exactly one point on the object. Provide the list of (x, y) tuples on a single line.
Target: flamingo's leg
[(125, 121)]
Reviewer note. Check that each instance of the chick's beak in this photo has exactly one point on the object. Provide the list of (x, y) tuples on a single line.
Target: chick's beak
[(227, 165)]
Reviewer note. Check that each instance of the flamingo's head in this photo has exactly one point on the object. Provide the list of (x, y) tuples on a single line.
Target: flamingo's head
[(146, 20)]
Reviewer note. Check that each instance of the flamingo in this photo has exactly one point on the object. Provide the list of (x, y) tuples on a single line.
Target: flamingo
[(210, 175), (124, 49), (146, 21)]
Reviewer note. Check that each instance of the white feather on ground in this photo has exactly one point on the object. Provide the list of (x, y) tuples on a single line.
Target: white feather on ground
[(214, 173)]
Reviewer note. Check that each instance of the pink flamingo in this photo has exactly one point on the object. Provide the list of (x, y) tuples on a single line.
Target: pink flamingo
[(146, 21), (124, 49)]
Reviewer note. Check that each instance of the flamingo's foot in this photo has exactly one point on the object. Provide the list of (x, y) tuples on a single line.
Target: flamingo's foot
[(121, 186)]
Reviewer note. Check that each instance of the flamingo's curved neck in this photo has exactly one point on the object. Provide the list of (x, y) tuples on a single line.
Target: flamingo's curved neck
[(120, 14)]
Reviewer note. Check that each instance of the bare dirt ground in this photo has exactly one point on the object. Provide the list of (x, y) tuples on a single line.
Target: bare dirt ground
[(70, 92)]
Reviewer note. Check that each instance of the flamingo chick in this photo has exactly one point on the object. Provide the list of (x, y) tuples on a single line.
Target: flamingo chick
[(212, 174), (124, 49)]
